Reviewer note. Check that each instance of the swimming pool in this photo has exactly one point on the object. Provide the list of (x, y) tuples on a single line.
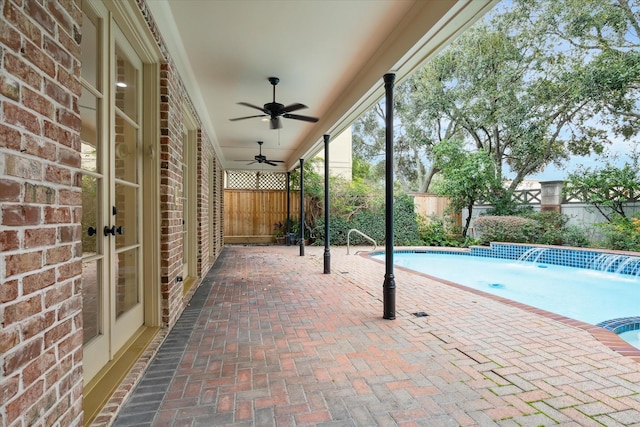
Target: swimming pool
[(584, 294)]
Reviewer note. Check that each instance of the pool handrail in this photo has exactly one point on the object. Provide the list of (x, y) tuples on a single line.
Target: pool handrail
[(375, 245)]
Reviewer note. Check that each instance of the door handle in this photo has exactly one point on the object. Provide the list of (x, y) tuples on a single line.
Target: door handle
[(91, 231), (113, 230)]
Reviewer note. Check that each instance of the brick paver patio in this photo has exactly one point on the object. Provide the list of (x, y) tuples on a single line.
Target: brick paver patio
[(269, 340)]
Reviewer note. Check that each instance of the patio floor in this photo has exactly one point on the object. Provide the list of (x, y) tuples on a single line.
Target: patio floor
[(269, 340)]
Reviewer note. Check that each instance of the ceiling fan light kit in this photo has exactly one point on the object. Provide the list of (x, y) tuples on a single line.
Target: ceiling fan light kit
[(274, 110)]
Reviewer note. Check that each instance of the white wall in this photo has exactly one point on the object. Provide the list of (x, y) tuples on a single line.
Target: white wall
[(340, 156)]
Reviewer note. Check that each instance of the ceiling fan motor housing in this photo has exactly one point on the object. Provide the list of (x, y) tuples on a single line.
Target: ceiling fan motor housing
[(273, 108), (276, 110)]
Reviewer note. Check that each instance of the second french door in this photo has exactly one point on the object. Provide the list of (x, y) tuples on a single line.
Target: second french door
[(111, 110)]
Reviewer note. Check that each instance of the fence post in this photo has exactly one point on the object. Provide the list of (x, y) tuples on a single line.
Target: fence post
[(551, 196)]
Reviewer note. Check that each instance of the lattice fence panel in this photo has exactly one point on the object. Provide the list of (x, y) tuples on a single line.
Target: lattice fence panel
[(256, 180)]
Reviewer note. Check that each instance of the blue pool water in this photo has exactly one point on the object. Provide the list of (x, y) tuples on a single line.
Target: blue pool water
[(587, 295), (632, 337)]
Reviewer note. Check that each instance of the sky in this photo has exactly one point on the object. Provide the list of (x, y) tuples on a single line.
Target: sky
[(619, 150)]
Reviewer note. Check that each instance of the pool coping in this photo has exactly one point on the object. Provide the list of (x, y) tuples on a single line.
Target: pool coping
[(605, 333)]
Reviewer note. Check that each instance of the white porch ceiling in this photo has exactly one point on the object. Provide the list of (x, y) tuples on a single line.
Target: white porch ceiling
[(330, 55)]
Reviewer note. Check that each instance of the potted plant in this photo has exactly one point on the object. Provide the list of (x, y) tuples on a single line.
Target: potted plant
[(292, 231), (278, 232)]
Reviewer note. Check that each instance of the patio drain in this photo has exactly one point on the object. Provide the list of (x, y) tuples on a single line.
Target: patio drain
[(420, 314)]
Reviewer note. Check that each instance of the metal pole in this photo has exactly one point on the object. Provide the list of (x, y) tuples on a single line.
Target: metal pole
[(327, 252), (301, 207), (389, 286), (288, 226)]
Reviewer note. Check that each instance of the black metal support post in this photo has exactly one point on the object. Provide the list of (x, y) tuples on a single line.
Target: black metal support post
[(287, 227), (389, 286), (327, 251), (301, 207)]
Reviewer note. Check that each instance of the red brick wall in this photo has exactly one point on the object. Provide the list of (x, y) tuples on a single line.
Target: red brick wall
[(172, 98), (40, 210), (170, 192)]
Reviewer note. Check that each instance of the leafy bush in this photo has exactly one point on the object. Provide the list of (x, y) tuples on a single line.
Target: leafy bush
[(552, 229), (622, 233), (371, 222), (549, 227), (431, 231), (405, 221), (504, 229), (434, 231), (544, 228), (575, 236)]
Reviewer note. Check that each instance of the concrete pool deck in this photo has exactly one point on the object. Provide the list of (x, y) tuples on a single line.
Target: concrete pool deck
[(270, 340)]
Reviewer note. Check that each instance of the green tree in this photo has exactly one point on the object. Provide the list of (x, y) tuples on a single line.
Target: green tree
[(535, 83), (602, 39), (511, 100), (467, 177), (414, 136), (608, 188)]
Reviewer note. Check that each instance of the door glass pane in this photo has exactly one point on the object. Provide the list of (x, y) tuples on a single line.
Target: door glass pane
[(89, 48), (127, 281), (91, 297), (126, 90), (91, 224), (89, 132), (126, 216), (125, 152)]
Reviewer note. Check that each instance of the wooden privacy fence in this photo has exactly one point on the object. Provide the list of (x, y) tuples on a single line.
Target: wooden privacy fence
[(249, 215), (429, 204)]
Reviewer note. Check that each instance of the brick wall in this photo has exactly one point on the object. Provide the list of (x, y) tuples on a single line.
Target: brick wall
[(170, 191), (203, 151), (172, 100), (40, 210)]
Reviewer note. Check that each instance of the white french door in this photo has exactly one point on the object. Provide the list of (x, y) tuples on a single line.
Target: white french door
[(111, 111)]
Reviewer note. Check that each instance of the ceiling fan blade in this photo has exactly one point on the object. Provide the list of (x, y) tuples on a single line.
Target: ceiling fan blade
[(275, 123), (251, 163), (246, 104), (299, 117), (248, 117), (292, 107), (270, 162)]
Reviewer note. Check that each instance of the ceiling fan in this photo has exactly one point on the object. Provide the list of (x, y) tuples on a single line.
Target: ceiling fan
[(259, 158), (275, 110)]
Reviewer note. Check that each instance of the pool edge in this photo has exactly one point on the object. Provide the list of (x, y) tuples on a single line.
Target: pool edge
[(605, 336)]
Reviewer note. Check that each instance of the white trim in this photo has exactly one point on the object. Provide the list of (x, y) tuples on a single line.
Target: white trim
[(163, 17), (151, 199), (135, 29)]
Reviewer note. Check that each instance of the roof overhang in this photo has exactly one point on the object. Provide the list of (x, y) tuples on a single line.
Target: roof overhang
[(329, 55)]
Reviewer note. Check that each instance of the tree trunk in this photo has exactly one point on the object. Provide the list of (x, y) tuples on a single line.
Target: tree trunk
[(424, 187), (468, 220)]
